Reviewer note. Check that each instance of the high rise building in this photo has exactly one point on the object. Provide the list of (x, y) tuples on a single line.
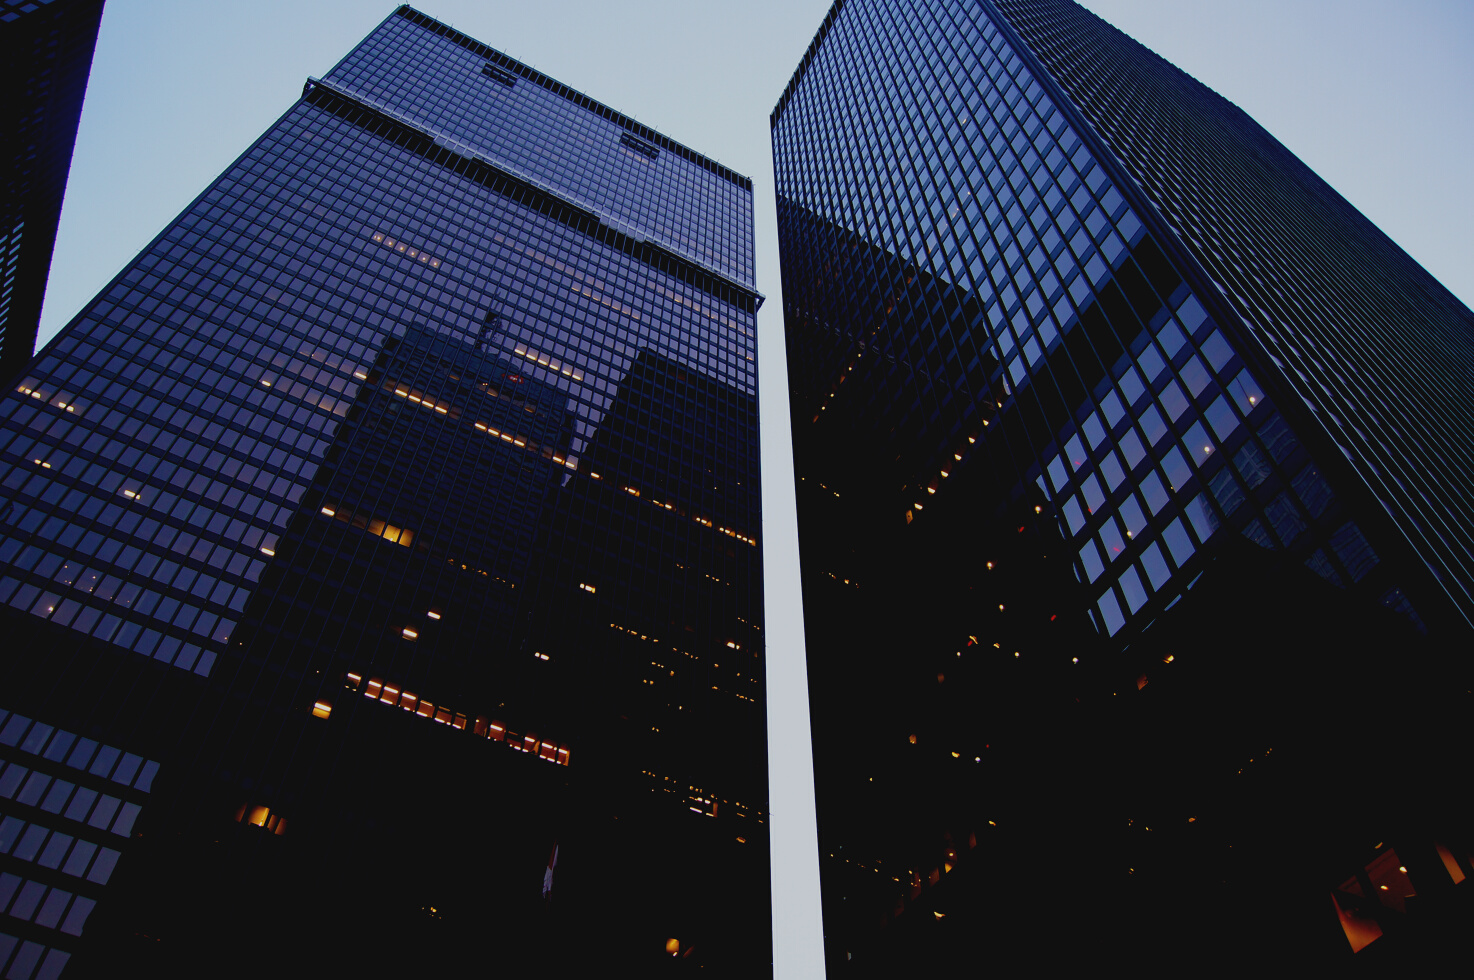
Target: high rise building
[(381, 573), (1133, 510), (45, 57)]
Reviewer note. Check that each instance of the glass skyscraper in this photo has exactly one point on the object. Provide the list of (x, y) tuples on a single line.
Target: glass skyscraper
[(1133, 511), (45, 57), (379, 555)]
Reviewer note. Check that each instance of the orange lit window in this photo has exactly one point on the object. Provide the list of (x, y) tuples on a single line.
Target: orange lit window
[(260, 816), (391, 694), (374, 526), (405, 250)]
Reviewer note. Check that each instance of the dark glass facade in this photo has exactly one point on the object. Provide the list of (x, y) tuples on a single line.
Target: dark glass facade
[(1129, 474), (45, 57), (380, 555)]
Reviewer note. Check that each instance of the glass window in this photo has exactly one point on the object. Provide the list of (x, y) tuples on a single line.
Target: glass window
[(1197, 444), (1174, 400), (1192, 314), (1195, 376), (1221, 417), (1202, 516), (1111, 540), (1178, 542), (1217, 351), (1156, 566), (1154, 492), (1132, 589), (1150, 362), (1245, 392), (1226, 491), (1252, 464), (1153, 425)]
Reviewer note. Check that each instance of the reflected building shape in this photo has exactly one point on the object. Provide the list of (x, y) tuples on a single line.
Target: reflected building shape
[(1132, 509), (380, 554), (45, 58)]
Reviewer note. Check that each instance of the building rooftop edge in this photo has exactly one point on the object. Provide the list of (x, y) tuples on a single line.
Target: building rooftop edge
[(803, 65), (574, 95)]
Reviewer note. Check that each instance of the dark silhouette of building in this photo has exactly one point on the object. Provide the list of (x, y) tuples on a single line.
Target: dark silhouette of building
[(380, 558), (45, 57), (1132, 511)]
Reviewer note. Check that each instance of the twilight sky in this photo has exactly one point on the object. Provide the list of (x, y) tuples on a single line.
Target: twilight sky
[(1375, 100)]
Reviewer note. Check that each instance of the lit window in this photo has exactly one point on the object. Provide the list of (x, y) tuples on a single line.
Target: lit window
[(495, 731), (260, 816), (321, 709)]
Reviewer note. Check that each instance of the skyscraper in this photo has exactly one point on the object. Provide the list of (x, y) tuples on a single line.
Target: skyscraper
[(380, 556), (1132, 507), (45, 55)]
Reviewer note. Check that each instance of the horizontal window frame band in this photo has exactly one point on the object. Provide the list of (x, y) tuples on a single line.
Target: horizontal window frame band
[(546, 201), (492, 71), (639, 146)]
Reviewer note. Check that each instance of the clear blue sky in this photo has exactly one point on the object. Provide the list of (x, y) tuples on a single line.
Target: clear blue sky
[(1373, 96)]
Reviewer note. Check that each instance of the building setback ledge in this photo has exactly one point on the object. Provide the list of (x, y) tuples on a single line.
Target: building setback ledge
[(506, 179)]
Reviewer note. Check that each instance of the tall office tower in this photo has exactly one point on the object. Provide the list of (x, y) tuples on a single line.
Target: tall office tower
[(45, 57), (380, 575), (1133, 512)]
